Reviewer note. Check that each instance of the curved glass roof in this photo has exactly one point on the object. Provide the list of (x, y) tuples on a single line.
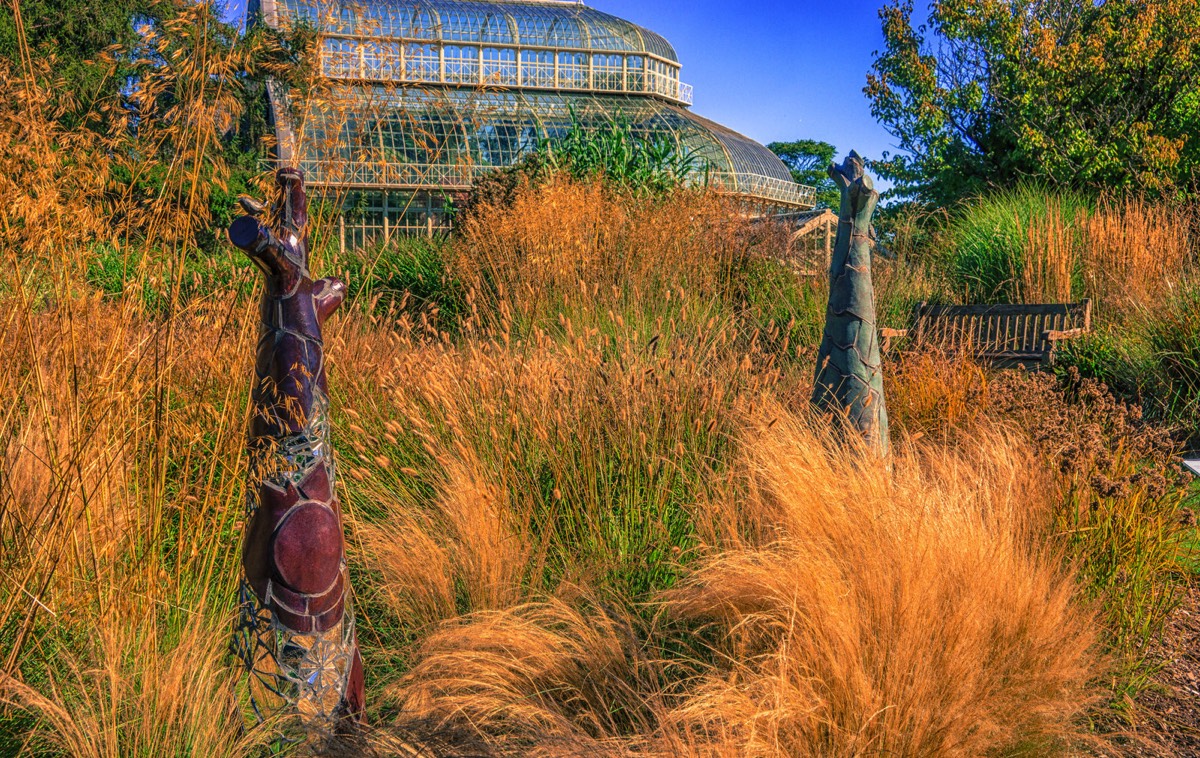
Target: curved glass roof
[(505, 74), (367, 135), (558, 24)]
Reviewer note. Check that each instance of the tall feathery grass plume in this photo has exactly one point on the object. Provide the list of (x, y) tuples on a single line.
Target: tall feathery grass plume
[(916, 612), (834, 609)]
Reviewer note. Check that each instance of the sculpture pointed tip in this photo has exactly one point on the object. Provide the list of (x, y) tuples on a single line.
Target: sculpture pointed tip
[(289, 174), (251, 206)]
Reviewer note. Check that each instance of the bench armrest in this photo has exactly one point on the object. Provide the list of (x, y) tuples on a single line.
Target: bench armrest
[(1065, 334), (891, 336)]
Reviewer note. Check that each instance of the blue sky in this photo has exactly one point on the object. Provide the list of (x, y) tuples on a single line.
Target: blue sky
[(774, 69), (771, 69)]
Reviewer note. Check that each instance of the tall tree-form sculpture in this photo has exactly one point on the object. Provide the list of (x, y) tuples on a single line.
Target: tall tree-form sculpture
[(849, 380), (296, 634)]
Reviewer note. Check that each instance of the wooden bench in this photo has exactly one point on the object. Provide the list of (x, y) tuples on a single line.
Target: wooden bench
[(1007, 335)]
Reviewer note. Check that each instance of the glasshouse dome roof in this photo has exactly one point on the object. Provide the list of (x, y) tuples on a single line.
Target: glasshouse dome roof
[(422, 98), (559, 24), (376, 136)]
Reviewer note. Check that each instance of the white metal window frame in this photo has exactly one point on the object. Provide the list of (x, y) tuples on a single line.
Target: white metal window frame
[(460, 63)]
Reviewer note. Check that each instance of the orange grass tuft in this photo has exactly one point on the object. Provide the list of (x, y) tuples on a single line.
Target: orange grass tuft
[(908, 611), (905, 612), (1137, 253)]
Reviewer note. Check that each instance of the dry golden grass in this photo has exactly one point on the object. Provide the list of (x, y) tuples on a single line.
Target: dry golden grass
[(1050, 258), (595, 522), (117, 525), (118, 486), (1136, 253), (902, 612), (567, 245), (589, 443), (544, 679), (589, 513), (866, 612), (935, 393), (1128, 254)]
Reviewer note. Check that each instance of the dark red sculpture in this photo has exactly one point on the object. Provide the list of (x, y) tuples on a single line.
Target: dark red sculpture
[(296, 633)]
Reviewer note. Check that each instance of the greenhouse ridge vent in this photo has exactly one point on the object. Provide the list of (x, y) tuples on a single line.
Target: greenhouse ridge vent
[(423, 97)]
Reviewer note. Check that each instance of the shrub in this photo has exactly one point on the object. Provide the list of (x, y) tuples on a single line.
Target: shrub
[(499, 188), (1085, 432), (1173, 337), (1122, 519), (1150, 359), (1120, 515)]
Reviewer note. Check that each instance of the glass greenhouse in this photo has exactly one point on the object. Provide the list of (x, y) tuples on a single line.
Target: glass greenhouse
[(424, 96)]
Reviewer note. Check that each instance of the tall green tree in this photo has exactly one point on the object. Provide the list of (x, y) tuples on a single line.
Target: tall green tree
[(1078, 93), (195, 127), (74, 36), (809, 162)]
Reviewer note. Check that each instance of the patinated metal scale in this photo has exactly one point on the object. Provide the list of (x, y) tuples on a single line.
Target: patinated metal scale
[(296, 633), (849, 377)]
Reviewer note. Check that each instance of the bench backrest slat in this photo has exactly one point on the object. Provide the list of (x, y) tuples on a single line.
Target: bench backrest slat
[(999, 329), (1067, 309)]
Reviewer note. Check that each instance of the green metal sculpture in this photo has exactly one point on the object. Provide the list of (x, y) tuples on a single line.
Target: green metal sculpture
[(849, 380)]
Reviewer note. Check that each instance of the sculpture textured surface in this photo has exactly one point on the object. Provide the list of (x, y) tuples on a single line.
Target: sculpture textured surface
[(849, 380), (295, 635)]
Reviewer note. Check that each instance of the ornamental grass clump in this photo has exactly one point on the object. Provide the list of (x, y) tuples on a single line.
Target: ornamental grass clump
[(831, 608), (911, 611)]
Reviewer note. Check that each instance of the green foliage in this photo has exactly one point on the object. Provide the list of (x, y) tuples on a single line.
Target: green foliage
[(1173, 337), (498, 188), (809, 161), (1152, 360), (786, 309), (1075, 94), (652, 165), (1190, 116), (408, 273), (198, 134), (622, 158), (75, 35), (910, 230), (1113, 356), (153, 275), (986, 238), (1128, 549)]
